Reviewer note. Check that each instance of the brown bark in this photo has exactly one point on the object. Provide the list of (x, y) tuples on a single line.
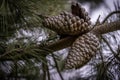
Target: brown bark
[(106, 28), (61, 44)]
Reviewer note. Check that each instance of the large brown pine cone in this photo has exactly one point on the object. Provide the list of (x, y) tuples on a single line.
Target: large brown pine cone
[(82, 50), (67, 24)]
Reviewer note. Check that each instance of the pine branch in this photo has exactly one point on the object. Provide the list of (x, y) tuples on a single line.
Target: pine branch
[(98, 30), (62, 43), (106, 28), (67, 41)]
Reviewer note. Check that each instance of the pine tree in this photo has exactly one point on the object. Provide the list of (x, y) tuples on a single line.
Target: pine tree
[(19, 53)]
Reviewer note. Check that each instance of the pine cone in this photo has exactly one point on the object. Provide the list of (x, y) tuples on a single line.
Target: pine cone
[(67, 24), (82, 50), (78, 10)]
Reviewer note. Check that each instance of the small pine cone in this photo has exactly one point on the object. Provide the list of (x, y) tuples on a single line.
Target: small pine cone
[(82, 50), (67, 24), (78, 10)]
